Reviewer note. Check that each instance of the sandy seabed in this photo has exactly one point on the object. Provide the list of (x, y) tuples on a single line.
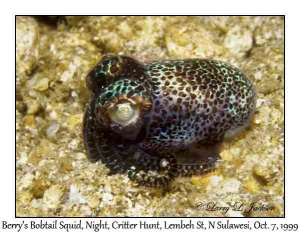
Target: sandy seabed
[(54, 177)]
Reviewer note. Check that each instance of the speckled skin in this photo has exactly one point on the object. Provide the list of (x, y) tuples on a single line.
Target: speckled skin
[(185, 109)]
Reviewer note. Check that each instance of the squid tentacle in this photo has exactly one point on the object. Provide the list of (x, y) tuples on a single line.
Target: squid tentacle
[(121, 157)]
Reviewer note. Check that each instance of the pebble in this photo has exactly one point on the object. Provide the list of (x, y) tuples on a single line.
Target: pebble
[(257, 121), (35, 203), (27, 44), (215, 180), (52, 129), (40, 186), (42, 84), (21, 106), (260, 102), (266, 73), (186, 42), (270, 31), (52, 197), (193, 198), (30, 121), (80, 156), (53, 115), (262, 173), (33, 131), (106, 199), (93, 201), (33, 106), (25, 197), (238, 41), (107, 188), (75, 197), (231, 185), (75, 120), (73, 144), (23, 158), (27, 180), (252, 186), (74, 94)]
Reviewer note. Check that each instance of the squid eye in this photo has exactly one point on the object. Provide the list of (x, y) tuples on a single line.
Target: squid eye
[(124, 113), (123, 107)]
